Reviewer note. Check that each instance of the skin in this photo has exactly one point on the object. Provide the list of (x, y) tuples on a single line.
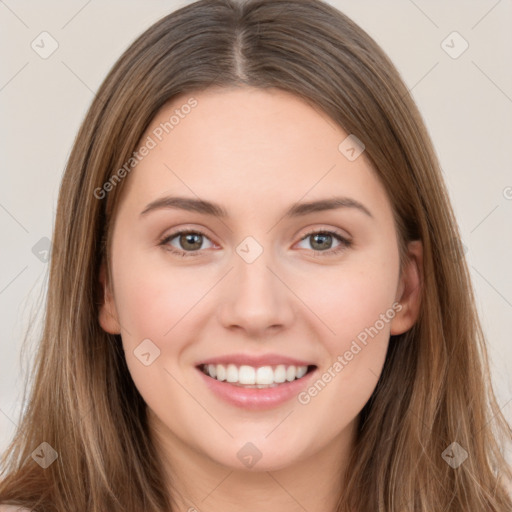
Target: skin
[(266, 150)]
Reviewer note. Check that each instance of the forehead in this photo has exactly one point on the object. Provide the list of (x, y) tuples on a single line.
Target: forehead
[(248, 148)]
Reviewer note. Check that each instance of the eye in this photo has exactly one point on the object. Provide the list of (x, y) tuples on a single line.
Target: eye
[(189, 242), (322, 242)]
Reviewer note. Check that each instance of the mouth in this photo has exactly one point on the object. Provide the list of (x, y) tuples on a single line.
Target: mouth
[(258, 377)]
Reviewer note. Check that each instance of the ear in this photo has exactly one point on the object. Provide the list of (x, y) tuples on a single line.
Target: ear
[(107, 316), (409, 289)]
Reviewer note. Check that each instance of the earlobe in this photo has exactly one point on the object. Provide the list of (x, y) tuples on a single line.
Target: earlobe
[(409, 290), (107, 314)]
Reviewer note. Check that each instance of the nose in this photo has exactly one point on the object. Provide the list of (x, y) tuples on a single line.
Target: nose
[(256, 298)]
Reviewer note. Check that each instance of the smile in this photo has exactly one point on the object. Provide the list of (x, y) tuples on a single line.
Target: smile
[(256, 388)]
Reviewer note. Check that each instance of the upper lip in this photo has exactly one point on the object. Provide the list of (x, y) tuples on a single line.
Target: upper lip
[(255, 360)]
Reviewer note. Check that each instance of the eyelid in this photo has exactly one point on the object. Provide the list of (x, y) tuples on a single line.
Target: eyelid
[(326, 229)]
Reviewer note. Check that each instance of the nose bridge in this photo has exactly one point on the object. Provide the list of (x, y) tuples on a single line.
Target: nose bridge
[(256, 298)]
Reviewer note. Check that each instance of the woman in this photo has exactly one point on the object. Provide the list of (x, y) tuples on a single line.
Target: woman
[(292, 334)]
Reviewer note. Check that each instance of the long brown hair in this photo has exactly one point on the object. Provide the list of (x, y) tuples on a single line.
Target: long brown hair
[(435, 387)]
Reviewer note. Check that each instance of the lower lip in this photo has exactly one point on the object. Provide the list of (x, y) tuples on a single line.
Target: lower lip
[(255, 398)]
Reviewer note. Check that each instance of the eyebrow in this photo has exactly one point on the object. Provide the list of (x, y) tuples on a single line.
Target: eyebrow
[(210, 208)]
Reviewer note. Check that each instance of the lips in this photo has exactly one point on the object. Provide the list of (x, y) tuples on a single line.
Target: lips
[(255, 360)]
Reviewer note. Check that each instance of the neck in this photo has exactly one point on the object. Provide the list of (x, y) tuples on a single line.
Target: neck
[(197, 483)]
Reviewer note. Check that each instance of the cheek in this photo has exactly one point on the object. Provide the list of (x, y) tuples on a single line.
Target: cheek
[(355, 304), (152, 304), (352, 299), (151, 298)]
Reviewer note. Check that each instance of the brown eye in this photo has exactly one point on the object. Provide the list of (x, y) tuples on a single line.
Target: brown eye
[(185, 243), (322, 242)]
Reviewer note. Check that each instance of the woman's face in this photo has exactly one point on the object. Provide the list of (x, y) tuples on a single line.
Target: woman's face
[(300, 270)]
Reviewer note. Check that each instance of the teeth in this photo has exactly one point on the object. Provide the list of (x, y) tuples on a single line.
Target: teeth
[(249, 376), (231, 373)]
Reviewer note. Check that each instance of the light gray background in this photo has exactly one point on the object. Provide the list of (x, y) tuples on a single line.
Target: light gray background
[(466, 103)]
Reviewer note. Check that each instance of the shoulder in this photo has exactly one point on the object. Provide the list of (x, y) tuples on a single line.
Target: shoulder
[(13, 508)]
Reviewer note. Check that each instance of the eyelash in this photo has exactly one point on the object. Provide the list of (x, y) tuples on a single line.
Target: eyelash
[(344, 242)]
